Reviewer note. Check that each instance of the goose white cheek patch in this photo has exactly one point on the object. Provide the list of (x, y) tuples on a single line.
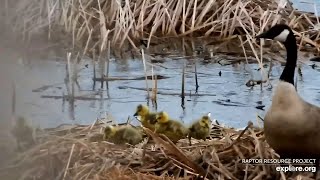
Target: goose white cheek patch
[(282, 37)]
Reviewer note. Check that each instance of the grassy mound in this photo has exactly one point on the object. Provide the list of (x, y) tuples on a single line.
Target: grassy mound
[(78, 152)]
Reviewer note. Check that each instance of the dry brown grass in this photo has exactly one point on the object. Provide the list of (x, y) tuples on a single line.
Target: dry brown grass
[(67, 153), (91, 23)]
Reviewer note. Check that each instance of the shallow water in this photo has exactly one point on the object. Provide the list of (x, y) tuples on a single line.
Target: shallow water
[(43, 73), (227, 97), (307, 5)]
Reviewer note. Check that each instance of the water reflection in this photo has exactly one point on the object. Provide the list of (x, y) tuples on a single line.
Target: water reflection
[(222, 90)]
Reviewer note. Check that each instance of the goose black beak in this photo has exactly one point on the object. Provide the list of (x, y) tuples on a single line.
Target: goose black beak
[(262, 35), (135, 114)]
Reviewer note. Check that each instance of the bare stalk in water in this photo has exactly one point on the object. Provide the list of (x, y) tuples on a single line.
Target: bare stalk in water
[(182, 85), (94, 64), (196, 76), (108, 62), (155, 85), (68, 78), (102, 63), (145, 72)]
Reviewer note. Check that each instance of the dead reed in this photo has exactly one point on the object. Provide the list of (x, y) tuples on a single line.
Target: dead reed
[(77, 152), (93, 23), (145, 72)]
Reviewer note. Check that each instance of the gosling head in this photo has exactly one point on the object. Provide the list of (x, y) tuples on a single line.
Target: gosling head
[(109, 131), (141, 110), (279, 32), (205, 120), (21, 121), (162, 117)]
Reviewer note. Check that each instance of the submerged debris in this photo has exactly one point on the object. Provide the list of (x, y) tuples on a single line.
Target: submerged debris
[(252, 83)]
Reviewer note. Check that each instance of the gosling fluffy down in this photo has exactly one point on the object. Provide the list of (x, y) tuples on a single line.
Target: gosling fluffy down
[(174, 130), (200, 129), (122, 135), (23, 133), (147, 118), (291, 125)]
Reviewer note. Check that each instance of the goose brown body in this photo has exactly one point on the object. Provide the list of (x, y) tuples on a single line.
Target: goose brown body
[(292, 125)]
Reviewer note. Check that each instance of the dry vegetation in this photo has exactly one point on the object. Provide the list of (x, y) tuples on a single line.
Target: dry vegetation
[(78, 153), (90, 24)]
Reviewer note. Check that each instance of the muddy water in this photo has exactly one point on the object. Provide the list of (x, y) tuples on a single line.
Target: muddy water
[(39, 79)]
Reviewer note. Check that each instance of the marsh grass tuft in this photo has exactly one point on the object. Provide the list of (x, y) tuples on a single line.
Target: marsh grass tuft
[(68, 152), (95, 21)]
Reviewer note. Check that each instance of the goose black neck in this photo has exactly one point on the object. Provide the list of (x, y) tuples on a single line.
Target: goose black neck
[(288, 71)]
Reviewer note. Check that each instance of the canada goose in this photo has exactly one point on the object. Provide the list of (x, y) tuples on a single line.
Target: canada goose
[(200, 129), (291, 125), (148, 119), (173, 129)]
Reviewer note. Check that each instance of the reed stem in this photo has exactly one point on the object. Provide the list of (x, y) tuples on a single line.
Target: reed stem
[(183, 83), (196, 76), (145, 72)]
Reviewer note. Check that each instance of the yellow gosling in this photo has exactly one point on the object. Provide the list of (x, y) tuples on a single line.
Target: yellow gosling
[(23, 133), (200, 129), (147, 118), (122, 135), (174, 130)]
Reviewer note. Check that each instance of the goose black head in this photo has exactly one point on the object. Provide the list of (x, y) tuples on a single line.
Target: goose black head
[(284, 34), (279, 32)]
